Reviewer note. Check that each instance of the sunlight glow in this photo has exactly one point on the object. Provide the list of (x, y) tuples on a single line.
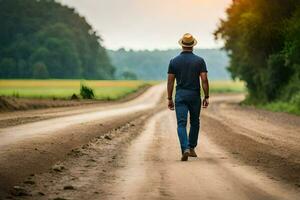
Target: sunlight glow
[(152, 24)]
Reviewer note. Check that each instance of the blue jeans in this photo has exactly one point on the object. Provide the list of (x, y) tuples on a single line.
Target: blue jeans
[(187, 101)]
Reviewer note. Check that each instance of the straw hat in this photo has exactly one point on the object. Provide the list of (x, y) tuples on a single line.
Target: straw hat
[(187, 40)]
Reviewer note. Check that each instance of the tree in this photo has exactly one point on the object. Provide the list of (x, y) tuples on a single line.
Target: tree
[(40, 71), (45, 31), (153, 65), (129, 75), (256, 34), (8, 68)]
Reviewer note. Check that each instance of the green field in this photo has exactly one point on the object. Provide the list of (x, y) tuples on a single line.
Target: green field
[(227, 87), (64, 89), (104, 90)]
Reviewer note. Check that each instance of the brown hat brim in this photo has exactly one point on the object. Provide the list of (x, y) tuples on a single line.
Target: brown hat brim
[(180, 42)]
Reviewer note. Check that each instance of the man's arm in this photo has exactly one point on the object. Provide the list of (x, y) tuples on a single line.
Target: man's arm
[(170, 87), (205, 86)]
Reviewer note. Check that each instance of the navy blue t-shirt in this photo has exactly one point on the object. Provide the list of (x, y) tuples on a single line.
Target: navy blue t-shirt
[(187, 68)]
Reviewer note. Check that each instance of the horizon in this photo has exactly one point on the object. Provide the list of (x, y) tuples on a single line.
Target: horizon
[(134, 24), (170, 49)]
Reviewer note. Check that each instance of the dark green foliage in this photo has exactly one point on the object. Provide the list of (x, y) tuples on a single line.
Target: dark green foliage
[(86, 92), (129, 75), (43, 39), (74, 97), (40, 70), (153, 65), (262, 38)]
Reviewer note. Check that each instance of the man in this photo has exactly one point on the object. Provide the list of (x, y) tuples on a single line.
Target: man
[(187, 68)]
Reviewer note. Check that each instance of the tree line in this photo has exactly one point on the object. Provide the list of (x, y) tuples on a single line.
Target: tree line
[(44, 39), (153, 65), (262, 38)]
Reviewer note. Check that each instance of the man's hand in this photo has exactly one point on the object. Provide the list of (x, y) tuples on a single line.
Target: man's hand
[(205, 103), (171, 104), (170, 87), (205, 86)]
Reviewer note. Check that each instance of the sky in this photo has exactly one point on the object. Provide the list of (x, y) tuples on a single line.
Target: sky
[(152, 24)]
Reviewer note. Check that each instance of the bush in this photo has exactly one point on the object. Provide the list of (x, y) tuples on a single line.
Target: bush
[(86, 92), (296, 100), (74, 97), (40, 71), (129, 75)]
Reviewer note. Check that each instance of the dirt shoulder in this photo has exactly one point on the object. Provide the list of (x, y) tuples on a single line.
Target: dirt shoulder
[(38, 154), (99, 158), (69, 161), (262, 139)]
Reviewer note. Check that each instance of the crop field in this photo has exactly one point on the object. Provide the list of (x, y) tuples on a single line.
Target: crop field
[(104, 90), (64, 89), (227, 87)]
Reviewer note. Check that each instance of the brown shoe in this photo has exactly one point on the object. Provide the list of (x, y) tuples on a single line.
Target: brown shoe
[(193, 153), (185, 155)]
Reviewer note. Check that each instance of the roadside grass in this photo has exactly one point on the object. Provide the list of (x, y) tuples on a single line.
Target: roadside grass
[(280, 106), (64, 89), (291, 106)]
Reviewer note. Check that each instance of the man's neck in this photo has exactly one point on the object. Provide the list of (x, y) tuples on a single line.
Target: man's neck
[(187, 50)]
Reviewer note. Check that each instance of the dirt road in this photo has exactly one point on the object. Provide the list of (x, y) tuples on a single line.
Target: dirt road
[(153, 170), (33, 147), (243, 153)]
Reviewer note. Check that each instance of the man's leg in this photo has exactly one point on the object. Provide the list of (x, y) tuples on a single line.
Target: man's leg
[(181, 115), (194, 108)]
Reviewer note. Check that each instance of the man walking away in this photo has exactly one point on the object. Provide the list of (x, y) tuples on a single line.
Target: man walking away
[(187, 68)]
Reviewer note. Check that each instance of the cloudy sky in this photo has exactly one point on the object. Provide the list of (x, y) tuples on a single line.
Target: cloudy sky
[(152, 24)]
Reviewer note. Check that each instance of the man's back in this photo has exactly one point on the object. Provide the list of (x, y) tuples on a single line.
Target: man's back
[(187, 68)]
